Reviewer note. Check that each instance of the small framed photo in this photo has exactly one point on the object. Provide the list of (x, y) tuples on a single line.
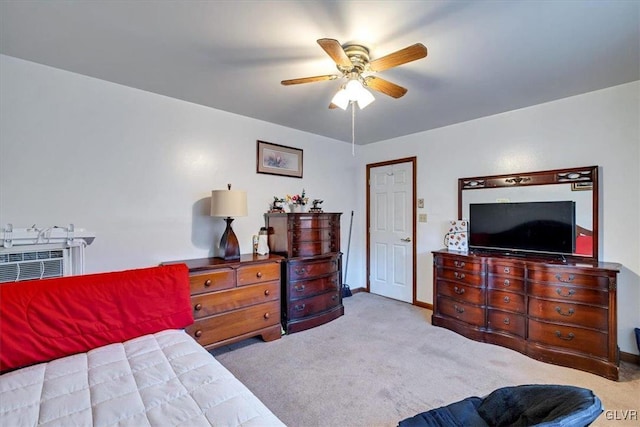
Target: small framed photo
[(581, 186), (274, 159)]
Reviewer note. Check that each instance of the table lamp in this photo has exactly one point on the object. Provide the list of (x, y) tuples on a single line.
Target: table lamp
[(227, 204)]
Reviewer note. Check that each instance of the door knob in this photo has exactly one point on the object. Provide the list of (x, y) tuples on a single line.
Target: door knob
[(406, 239)]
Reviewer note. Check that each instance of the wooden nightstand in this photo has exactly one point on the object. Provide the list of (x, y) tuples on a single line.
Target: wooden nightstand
[(234, 300)]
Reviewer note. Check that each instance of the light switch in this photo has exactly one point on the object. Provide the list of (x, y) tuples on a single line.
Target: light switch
[(422, 217), (421, 203)]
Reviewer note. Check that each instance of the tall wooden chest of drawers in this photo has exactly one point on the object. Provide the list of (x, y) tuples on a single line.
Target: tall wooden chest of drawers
[(558, 312), (234, 300), (311, 275)]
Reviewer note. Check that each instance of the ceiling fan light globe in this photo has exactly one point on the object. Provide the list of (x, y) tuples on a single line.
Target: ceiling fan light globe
[(341, 99), (353, 88), (365, 98)]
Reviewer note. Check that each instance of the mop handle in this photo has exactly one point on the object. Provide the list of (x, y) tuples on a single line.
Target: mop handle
[(346, 265)]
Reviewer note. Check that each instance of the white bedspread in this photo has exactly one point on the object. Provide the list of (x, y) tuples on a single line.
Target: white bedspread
[(164, 379)]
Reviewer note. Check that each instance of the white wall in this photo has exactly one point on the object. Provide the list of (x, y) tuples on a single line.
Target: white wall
[(599, 128), (138, 168)]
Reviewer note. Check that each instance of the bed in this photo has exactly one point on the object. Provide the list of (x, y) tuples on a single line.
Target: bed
[(110, 349)]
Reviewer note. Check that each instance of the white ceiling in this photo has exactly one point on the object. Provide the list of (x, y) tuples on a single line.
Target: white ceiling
[(485, 57)]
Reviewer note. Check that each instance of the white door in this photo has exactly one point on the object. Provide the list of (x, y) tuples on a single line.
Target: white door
[(391, 230)]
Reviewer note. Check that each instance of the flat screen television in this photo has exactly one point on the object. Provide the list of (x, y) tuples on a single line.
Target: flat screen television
[(546, 227)]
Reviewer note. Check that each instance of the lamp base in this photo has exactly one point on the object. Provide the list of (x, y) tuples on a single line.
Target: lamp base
[(229, 243)]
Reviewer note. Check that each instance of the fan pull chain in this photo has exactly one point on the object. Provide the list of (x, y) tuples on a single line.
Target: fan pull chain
[(353, 128)]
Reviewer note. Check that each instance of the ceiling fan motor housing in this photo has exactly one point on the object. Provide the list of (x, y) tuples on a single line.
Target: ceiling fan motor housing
[(359, 56)]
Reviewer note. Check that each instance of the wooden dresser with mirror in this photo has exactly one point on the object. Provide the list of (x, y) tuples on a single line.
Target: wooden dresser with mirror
[(555, 308)]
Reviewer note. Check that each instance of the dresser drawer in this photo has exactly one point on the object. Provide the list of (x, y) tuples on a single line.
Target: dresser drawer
[(505, 283), (313, 221), (506, 269), (459, 263), (505, 321), (223, 278), (461, 292), (577, 314), (561, 276), (306, 269), (462, 276), (571, 337), (569, 293), (313, 234), (219, 302), (307, 288), (258, 273), (465, 312), (313, 305), (220, 327), (506, 301), (302, 249)]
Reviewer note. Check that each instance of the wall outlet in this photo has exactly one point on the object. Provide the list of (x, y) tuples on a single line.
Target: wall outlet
[(422, 217), (421, 203)]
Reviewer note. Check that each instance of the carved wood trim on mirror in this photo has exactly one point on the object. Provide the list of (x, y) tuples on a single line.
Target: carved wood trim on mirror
[(546, 185)]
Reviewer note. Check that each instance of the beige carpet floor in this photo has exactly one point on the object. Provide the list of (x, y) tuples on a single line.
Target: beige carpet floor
[(383, 361)]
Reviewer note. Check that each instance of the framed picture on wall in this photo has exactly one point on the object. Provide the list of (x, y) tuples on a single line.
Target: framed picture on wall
[(275, 159)]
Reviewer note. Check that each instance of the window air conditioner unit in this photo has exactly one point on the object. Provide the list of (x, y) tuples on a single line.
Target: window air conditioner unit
[(27, 254)]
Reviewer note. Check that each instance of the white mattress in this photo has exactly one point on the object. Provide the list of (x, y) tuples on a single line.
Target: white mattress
[(164, 379)]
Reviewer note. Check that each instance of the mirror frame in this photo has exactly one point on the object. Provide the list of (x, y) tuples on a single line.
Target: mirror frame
[(587, 174)]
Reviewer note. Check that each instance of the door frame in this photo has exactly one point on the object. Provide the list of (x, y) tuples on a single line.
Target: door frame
[(414, 162)]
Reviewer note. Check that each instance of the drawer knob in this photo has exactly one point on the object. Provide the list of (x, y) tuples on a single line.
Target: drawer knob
[(506, 321), (507, 270), (507, 282), (334, 297), (299, 288), (300, 307), (267, 292), (458, 263), (458, 309), (207, 283), (567, 314), (569, 337), (506, 299), (259, 274), (266, 315), (458, 275), (458, 290), (569, 293), (300, 270), (198, 307), (198, 333), (569, 278)]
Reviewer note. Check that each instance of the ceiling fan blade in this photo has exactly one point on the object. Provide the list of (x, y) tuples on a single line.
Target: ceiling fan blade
[(402, 56), (335, 51), (309, 79), (385, 86)]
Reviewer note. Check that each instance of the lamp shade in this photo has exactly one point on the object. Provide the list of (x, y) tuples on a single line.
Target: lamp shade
[(228, 203)]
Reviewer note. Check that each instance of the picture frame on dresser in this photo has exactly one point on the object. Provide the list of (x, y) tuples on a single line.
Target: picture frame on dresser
[(276, 159)]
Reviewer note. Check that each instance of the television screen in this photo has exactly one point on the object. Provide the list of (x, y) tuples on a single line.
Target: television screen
[(530, 226)]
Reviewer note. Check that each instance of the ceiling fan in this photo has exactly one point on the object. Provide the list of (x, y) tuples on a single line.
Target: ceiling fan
[(354, 64)]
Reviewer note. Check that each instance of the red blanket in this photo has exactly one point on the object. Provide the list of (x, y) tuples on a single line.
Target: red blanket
[(41, 320)]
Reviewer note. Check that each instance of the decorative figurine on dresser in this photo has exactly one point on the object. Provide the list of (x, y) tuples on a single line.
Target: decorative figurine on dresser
[(311, 274), (527, 287)]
